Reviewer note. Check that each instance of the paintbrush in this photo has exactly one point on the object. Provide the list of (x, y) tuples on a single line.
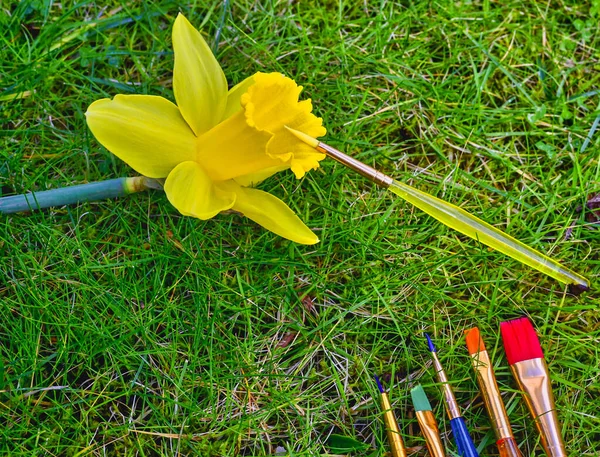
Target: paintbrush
[(507, 446), (427, 422), (526, 359), (455, 217), (391, 426), (463, 440)]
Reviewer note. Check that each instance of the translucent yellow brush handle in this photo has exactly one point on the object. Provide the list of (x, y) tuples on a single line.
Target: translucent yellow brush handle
[(467, 224), (454, 217)]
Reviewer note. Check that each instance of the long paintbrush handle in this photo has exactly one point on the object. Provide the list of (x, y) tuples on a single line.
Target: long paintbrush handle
[(470, 225), (454, 217), (464, 443)]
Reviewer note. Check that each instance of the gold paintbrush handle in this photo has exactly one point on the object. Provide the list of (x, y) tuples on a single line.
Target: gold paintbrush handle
[(507, 447), (431, 433), (534, 380), (393, 431)]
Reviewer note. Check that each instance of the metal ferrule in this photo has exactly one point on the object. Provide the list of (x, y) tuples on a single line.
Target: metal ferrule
[(393, 431), (491, 394), (534, 380), (431, 433), (449, 399), (368, 172)]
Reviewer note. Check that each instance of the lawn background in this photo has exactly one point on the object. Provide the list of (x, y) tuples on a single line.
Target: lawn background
[(128, 329)]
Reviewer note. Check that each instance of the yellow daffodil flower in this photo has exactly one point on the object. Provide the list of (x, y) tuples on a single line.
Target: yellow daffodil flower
[(215, 143)]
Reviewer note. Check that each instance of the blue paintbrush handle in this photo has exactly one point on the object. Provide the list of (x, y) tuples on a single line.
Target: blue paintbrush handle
[(464, 443)]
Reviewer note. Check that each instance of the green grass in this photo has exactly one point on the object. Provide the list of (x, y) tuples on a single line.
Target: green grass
[(128, 329)]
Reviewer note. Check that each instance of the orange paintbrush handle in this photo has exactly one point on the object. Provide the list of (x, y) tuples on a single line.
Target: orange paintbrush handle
[(507, 447)]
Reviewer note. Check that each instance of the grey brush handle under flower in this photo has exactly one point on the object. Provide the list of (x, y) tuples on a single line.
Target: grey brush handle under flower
[(93, 191)]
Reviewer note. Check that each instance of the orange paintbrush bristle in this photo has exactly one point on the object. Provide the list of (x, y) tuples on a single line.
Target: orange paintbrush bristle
[(520, 340), (474, 341)]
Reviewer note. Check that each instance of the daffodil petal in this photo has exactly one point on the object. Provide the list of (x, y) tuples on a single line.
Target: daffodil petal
[(146, 132), (253, 179), (234, 97), (270, 105), (270, 212), (233, 149), (193, 193), (199, 83)]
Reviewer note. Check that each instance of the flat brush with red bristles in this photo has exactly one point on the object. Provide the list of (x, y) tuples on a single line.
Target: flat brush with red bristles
[(507, 446), (526, 359)]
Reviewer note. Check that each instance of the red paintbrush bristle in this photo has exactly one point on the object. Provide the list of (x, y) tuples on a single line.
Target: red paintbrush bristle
[(520, 340), (474, 341)]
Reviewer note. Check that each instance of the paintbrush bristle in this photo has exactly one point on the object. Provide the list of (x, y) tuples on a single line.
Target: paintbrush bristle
[(520, 340), (474, 341), (379, 386), (430, 344), (419, 399), (312, 142)]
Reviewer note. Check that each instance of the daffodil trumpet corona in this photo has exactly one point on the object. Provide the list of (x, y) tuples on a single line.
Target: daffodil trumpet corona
[(88, 192), (455, 217)]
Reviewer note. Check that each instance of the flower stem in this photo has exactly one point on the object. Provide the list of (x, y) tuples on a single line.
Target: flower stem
[(93, 191)]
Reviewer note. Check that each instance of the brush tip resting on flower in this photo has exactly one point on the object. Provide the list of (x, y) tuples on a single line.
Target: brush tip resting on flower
[(215, 143)]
